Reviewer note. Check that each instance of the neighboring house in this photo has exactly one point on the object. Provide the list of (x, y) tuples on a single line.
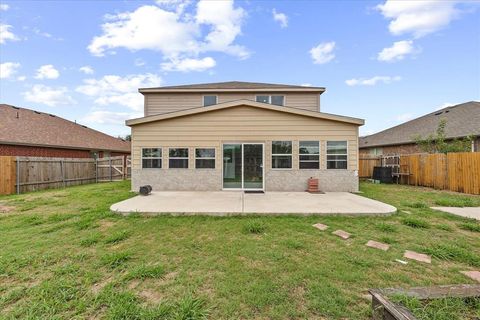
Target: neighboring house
[(242, 136), (462, 120), (25, 132)]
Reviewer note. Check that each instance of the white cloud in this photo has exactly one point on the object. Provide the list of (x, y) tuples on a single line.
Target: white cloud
[(4, 7), (113, 89), (47, 71), (21, 78), (109, 117), (176, 34), (8, 69), (139, 62), (86, 70), (418, 18), (404, 117), (280, 18), (372, 81), (187, 65), (398, 51), (49, 96), (323, 53), (6, 34)]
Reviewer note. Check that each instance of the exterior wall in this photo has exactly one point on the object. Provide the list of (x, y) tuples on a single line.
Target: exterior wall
[(35, 151), (242, 124), (476, 145), (157, 103)]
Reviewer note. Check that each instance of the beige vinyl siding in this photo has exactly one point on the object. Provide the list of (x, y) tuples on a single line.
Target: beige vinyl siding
[(242, 124), (158, 103)]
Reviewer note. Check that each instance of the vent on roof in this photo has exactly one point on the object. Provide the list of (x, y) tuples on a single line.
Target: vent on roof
[(84, 126), (438, 113), (51, 115), (15, 107), (37, 112)]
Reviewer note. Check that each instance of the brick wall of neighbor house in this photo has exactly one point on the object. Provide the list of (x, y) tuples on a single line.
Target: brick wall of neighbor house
[(400, 149), (31, 151), (477, 145), (35, 151)]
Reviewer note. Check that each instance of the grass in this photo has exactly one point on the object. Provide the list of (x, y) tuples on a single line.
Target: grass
[(440, 309), (64, 255)]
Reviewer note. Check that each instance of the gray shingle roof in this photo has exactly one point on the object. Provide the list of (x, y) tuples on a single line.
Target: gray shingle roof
[(462, 120), (236, 85)]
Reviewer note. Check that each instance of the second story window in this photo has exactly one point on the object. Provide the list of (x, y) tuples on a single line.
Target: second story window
[(209, 100), (276, 100)]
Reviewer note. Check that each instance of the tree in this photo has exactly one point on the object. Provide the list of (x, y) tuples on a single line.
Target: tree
[(438, 143)]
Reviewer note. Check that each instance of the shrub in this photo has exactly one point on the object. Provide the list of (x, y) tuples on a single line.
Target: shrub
[(415, 223)]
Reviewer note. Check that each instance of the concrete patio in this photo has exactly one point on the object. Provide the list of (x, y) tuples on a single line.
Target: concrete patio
[(225, 203), (467, 212)]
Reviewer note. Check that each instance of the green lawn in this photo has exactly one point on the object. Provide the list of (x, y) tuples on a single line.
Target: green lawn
[(64, 255)]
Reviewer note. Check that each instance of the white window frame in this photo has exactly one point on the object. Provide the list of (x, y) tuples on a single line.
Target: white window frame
[(283, 155), (326, 155), (209, 95), (179, 158), (310, 154), (214, 158), (270, 99), (152, 158)]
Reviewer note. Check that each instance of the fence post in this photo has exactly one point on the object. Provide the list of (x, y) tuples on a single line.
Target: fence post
[(96, 170), (62, 170), (18, 175), (110, 167)]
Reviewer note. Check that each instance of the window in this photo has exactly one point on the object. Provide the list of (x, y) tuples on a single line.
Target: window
[(309, 155), (209, 100), (281, 154), (276, 100), (336, 154), (205, 158), (151, 158), (178, 158)]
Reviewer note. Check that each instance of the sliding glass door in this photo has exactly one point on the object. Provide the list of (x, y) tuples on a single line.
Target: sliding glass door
[(243, 166)]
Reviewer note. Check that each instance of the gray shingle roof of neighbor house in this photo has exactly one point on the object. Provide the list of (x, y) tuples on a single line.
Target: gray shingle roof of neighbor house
[(22, 126), (232, 86), (462, 120)]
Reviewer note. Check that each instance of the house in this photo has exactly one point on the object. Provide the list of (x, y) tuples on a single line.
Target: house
[(463, 120), (25, 132), (242, 136)]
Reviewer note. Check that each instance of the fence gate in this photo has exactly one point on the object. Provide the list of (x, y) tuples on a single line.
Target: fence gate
[(111, 169)]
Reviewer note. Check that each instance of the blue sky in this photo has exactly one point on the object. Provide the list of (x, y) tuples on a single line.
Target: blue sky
[(384, 61)]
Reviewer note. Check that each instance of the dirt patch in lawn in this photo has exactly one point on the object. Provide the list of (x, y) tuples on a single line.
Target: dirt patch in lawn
[(6, 209), (106, 224), (151, 295), (97, 287)]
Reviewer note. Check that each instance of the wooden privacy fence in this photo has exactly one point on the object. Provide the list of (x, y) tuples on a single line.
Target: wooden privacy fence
[(23, 174), (458, 172)]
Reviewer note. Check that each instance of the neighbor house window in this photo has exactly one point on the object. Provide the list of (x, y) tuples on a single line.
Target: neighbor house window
[(281, 154), (337, 155), (209, 100), (151, 158), (205, 158), (309, 155), (178, 158), (276, 100)]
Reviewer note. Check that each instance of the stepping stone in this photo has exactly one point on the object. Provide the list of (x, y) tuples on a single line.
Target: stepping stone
[(377, 245), (417, 256), (342, 234), (320, 226), (475, 275)]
